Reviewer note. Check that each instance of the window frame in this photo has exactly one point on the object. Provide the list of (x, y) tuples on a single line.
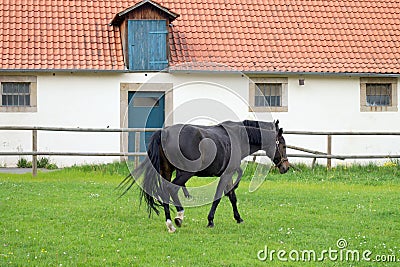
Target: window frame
[(365, 107), (267, 80), (32, 81), (16, 96)]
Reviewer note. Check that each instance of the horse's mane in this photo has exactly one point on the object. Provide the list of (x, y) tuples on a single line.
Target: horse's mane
[(254, 135), (253, 129), (249, 123)]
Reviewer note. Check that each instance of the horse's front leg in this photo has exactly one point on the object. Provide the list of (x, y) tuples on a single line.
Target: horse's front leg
[(224, 180), (230, 189), (233, 199)]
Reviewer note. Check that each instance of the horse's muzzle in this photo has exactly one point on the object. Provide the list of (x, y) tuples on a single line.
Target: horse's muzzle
[(283, 166)]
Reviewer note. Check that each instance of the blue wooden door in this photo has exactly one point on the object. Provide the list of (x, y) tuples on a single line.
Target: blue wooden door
[(147, 42), (146, 110)]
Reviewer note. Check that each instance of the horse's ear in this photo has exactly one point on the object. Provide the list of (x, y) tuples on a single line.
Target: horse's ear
[(277, 125), (280, 132)]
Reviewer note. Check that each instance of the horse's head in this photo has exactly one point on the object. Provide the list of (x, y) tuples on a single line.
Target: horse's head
[(280, 159)]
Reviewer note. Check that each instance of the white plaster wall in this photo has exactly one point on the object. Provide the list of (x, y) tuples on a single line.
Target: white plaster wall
[(210, 98), (93, 100), (70, 100)]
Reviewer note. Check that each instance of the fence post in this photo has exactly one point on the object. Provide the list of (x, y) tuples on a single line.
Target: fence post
[(329, 152), (313, 163), (34, 149), (137, 147)]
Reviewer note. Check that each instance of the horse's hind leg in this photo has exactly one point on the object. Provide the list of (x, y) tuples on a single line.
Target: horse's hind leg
[(166, 172), (168, 221), (178, 182), (165, 199)]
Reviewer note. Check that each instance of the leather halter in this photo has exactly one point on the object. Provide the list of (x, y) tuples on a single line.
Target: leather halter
[(282, 158)]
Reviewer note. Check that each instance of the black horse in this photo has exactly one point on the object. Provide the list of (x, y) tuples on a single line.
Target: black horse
[(203, 151)]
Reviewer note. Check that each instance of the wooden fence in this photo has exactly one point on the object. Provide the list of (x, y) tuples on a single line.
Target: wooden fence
[(35, 153), (311, 153)]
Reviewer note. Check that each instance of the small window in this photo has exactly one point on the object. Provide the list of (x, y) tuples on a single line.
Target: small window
[(378, 95), (145, 102), (18, 93), (268, 94), (15, 94)]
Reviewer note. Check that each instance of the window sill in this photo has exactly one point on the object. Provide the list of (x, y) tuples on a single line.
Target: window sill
[(18, 109), (269, 109), (378, 109)]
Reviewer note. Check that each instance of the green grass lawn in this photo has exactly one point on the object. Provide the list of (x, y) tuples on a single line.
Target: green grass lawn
[(73, 217)]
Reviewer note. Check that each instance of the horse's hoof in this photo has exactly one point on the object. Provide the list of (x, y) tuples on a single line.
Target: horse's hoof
[(178, 222), (179, 218), (240, 220), (210, 225), (170, 227)]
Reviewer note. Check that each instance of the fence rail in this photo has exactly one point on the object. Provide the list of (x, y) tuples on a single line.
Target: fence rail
[(311, 153), (328, 155), (341, 133), (35, 153), (61, 129), (89, 154)]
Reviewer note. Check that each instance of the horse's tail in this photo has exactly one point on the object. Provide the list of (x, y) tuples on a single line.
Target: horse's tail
[(151, 189), (147, 174)]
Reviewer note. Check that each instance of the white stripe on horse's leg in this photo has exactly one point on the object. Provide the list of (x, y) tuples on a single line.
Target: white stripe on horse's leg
[(170, 226), (180, 214), (179, 218)]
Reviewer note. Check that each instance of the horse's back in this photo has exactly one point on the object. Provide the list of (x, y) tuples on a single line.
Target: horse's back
[(211, 150), (202, 150)]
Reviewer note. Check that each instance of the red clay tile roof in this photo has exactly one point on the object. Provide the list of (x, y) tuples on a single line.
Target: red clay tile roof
[(59, 35), (338, 36), (290, 36)]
